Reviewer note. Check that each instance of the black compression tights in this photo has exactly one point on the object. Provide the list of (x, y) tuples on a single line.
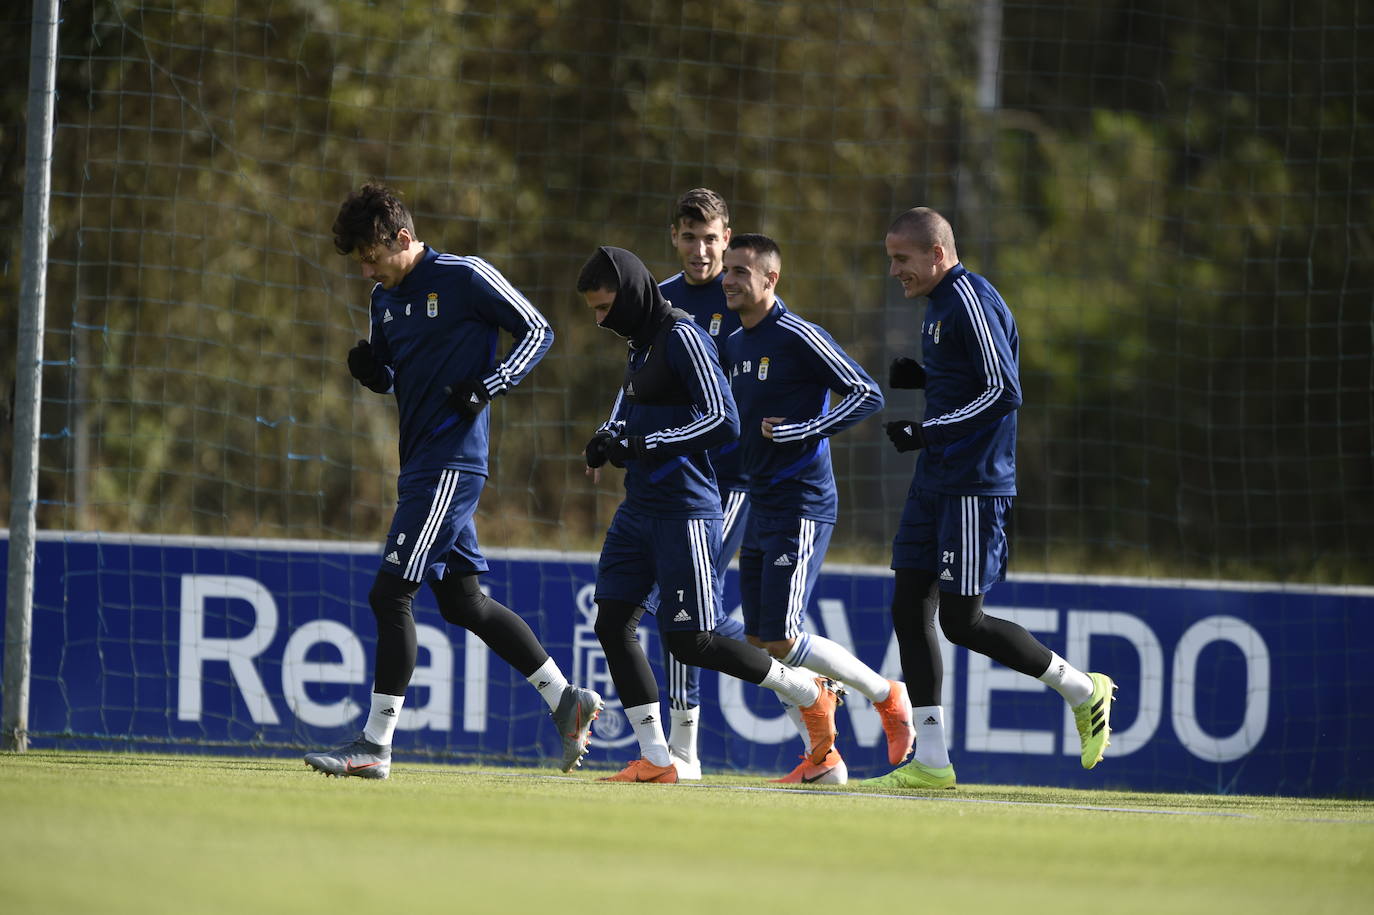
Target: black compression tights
[(915, 603), (617, 623), (617, 626), (462, 603), (729, 656), (391, 597)]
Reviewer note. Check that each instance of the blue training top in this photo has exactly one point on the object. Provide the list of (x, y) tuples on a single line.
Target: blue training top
[(706, 304), (673, 395), (785, 366), (675, 479), (438, 327), (971, 350)]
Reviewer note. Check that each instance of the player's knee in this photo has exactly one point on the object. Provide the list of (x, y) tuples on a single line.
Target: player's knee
[(906, 623), (608, 630), (780, 648), (460, 611), (957, 631), (460, 599), (913, 591), (616, 621), (960, 616), (390, 595), (690, 648)]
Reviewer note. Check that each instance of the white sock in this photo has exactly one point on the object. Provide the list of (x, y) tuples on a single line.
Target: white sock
[(648, 726), (930, 736), (381, 721), (550, 682), (1068, 681), (835, 661), (794, 714), (682, 737), (794, 689)]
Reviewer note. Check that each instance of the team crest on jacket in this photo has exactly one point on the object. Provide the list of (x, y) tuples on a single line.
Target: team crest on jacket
[(715, 325), (432, 304), (763, 368)]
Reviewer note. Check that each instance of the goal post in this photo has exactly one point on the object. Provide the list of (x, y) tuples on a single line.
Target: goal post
[(29, 377)]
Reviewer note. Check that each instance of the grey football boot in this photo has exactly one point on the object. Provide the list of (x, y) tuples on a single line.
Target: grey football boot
[(577, 709), (359, 757)]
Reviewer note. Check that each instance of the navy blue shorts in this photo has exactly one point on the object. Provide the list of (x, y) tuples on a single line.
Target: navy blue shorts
[(735, 505), (963, 539), (778, 566), (432, 532), (677, 554)]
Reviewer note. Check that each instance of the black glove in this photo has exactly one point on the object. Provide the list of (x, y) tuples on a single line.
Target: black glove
[(468, 397), (906, 435), (597, 447), (906, 373), (363, 365), (623, 448)]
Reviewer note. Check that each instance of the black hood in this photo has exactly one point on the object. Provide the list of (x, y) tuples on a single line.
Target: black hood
[(639, 308)]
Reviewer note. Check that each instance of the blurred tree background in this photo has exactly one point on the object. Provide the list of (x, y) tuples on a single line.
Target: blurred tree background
[(1175, 201)]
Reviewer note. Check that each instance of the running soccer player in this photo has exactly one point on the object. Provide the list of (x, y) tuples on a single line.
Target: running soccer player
[(700, 230), (782, 372), (673, 405), (436, 320), (951, 543)]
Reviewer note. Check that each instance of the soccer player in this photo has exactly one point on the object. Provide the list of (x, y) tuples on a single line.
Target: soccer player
[(672, 406), (782, 372), (700, 230), (951, 543), (436, 320)]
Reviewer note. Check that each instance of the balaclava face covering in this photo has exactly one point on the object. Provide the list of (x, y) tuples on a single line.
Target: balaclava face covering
[(639, 308)]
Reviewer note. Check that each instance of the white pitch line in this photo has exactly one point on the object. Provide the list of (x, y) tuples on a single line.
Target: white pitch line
[(949, 799)]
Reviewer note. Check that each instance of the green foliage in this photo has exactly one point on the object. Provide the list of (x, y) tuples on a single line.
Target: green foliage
[(1171, 199), (1197, 330)]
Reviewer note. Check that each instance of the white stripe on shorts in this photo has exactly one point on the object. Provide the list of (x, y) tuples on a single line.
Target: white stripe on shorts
[(702, 563), (970, 562), (429, 532), (677, 683), (734, 501), (796, 585)]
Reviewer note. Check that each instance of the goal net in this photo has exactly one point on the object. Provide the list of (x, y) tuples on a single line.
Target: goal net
[(1173, 199)]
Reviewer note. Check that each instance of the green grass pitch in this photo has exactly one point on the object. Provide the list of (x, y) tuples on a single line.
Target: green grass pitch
[(112, 833)]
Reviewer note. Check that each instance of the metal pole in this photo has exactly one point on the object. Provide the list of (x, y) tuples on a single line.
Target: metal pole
[(978, 188), (990, 56), (29, 369)]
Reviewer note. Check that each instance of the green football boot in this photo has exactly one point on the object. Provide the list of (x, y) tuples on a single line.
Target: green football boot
[(914, 775), (1094, 719)]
